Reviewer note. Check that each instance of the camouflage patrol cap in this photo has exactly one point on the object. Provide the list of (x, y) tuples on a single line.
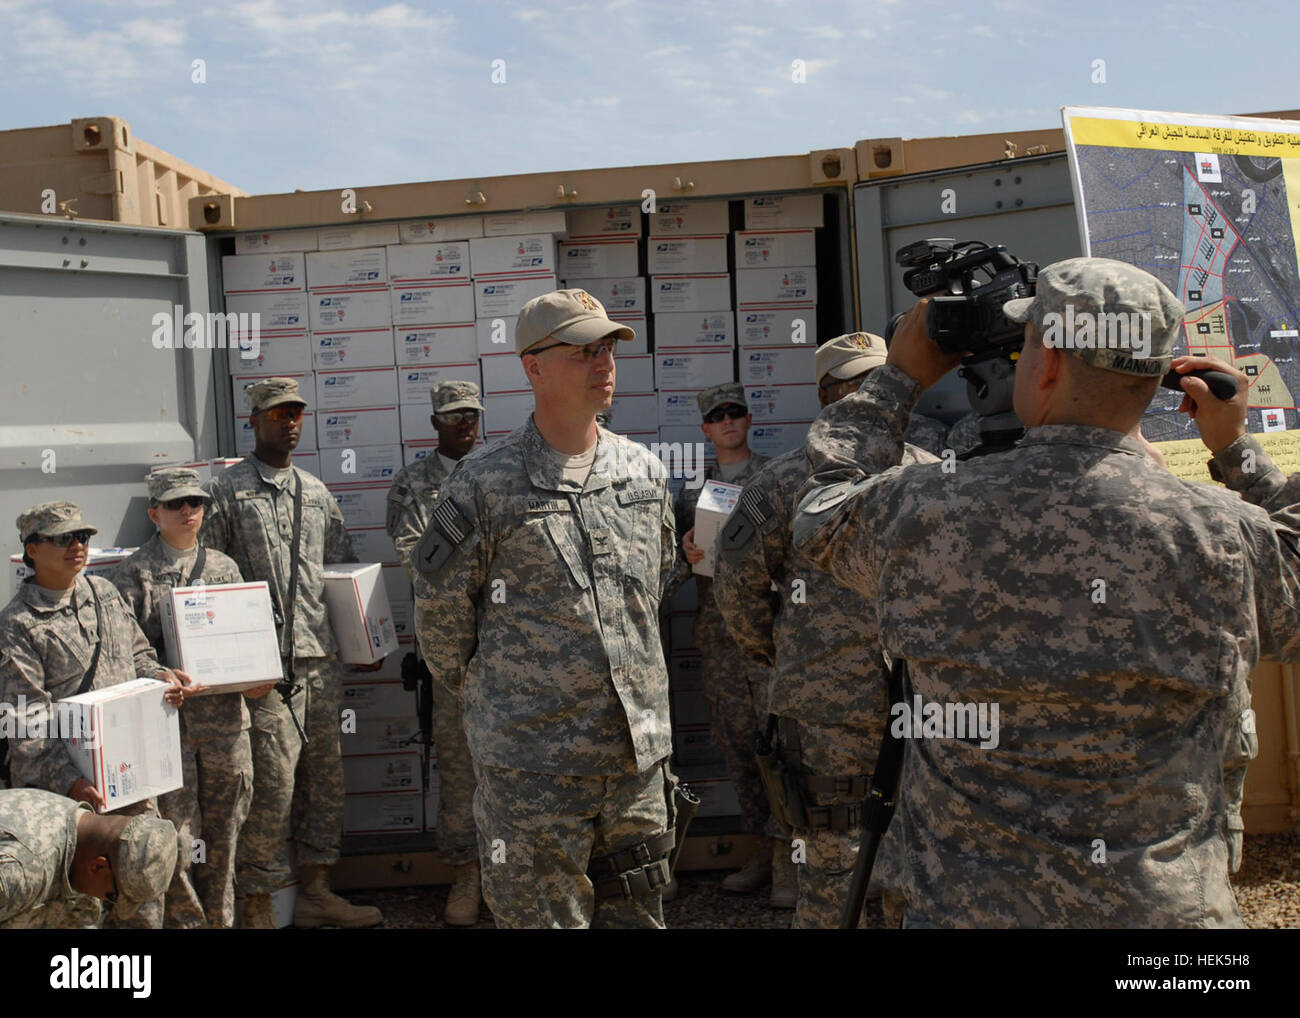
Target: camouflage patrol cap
[(143, 862), (49, 519), (454, 395), (720, 395), (271, 392), (174, 482), (849, 355), (565, 316), (1106, 312)]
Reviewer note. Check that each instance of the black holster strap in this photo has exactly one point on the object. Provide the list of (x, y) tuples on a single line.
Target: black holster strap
[(634, 872), (840, 817)]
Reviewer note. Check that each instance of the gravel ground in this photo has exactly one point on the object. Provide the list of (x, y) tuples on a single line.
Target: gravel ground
[(1268, 890)]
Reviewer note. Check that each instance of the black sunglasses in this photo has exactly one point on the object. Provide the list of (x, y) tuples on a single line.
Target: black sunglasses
[(193, 501), (730, 413), (65, 540)]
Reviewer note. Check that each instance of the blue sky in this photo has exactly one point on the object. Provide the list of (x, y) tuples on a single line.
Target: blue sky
[(325, 93)]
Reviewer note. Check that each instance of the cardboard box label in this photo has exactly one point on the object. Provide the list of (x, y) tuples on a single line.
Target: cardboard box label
[(334, 270), (623, 295), (775, 286), (262, 273), (687, 329), (770, 248), (437, 231), (667, 255), (717, 499), (691, 293), (615, 256), (223, 635), (795, 325), (784, 212), (364, 387), (605, 220), (275, 242), (530, 255), (415, 380), (453, 343), (369, 348), (336, 429), (337, 238), (502, 296), (426, 263), (695, 369), (680, 217), (450, 302), (354, 309)]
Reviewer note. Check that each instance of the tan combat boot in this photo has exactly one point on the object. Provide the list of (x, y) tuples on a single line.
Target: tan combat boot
[(785, 876), (755, 874), (258, 913), (464, 897), (319, 906)]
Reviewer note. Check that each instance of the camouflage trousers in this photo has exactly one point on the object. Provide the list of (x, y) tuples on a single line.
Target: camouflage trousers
[(297, 789), (537, 834), (1241, 747), (150, 915), (457, 844), (826, 869), (737, 707), (210, 808)]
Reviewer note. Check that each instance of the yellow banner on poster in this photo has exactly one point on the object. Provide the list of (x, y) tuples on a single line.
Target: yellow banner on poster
[(1146, 134), (1188, 458)]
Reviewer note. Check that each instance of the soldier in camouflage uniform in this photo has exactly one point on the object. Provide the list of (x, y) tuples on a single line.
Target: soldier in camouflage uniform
[(215, 752), (735, 688), (456, 412), (57, 857), (830, 692), (297, 787), (1095, 599), (48, 634), (541, 574)]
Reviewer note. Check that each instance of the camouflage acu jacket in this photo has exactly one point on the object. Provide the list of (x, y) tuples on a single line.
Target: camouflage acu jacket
[(251, 520), (45, 650), (144, 580), (414, 490), (543, 600), (1107, 609), (38, 837)]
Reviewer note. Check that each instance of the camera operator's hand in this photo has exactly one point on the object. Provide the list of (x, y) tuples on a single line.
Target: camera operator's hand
[(914, 352), (1221, 423)]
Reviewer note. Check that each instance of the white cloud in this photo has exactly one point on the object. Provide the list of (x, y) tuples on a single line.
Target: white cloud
[(984, 32), (528, 14)]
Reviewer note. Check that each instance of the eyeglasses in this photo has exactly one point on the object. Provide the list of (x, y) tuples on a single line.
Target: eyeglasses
[(587, 353), (193, 501), (64, 540), (290, 413), (730, 413), (457, 416)]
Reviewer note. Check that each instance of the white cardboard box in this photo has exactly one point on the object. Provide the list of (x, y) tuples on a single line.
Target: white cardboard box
[(495, 335), (452, 343), (428, 263), (240, 382), (380, 734), (399, 591), (262, 273), (362, 505), (508, 412), (436, 231), (504, 372), (403, 618), (795, 325), (346, 270), (686, 254), (692, 369), (638, 324), (372, 544), (599, 257), (367, 463), (766, 287), (690, 217), (789, 402), (354, 309), (522, 256), (604, 221), (356, 388), (635, 373), (308, 461), (717, 499), (275, 242), (621, 295), (777, 365), (280, 311), (245, 440), (127, 741), (635, 413), (338, 429), (416, 425), (708, 292), (337, 238), (415, 380), (381, 772), (783, 212), (501, 296), (384, 813), (678, 409), (513, 224), (692, 329), (443, 303), (363, 348), (774, 439), (358, 611), (287, 353), (757, 249), (222, 634)]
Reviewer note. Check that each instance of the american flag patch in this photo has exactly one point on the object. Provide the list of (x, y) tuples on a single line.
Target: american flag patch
[(449, 520), (754, 504)]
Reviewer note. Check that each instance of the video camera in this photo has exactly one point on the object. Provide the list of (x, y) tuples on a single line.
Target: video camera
[(968, 282)]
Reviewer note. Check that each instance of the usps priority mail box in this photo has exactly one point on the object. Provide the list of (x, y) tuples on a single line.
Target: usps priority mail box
[(450, 343), (223, 635), (357, 600), (717, 499)]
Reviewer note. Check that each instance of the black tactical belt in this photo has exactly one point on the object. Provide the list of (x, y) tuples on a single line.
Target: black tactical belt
[(634, 872)]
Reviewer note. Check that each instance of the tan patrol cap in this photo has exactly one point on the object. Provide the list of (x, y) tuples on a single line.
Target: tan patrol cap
[(566, 316), (721, 395), (49, 519), (849, 355), (272, 392), (175, 482), (143, 862), (454, 395)]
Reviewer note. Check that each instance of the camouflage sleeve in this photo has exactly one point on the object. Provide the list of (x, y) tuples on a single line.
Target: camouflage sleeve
[(751, 549), (215, 532), (668, 555), (126, 578), (405, 522), (33, 762), (338, 542), (451, 562), (143, 654)]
